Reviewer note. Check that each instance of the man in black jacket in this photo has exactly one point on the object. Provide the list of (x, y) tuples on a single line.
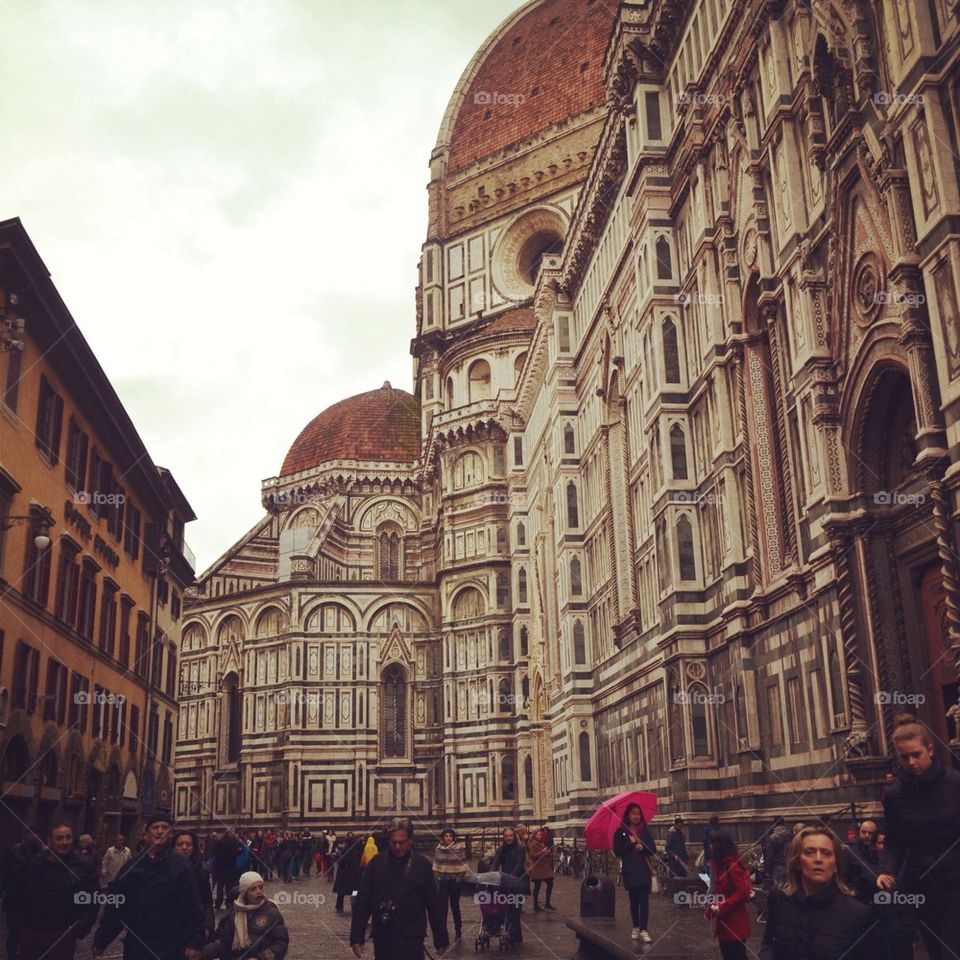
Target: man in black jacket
[(54, 899), (225, 853), (398, 890), (155, 897), (862, 863), (11, 879)]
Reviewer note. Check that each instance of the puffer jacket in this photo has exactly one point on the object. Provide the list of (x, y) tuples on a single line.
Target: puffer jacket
[(268, 935), (922, 816), (511, 858), (828, 925)]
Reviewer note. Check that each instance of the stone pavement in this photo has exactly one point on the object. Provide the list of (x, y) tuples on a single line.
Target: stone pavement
[(317, 932)]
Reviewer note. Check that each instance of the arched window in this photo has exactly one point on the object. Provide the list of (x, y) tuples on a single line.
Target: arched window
[(232, 719), (448, 394), (573, 511), (389, 553), (671, 352), (479, 378), (528, 777), (468, 471), (569, 441), (522, 585), (664, 265), (576, 578), (508, 776), (584, 750), (525, 692), (501, 540), (678, 452), (579, 643), (504, 646), (518, 364), (688, 565), (524, 642), (837, 702), (698, 721), (393, 733), (675, 718), (503, 591), (521, 535), (505, 696)]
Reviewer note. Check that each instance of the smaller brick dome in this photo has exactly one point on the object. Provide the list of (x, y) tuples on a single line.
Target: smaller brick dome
[(382, 425)]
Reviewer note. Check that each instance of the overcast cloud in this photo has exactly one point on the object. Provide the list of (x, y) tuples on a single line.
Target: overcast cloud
[(231, 199)]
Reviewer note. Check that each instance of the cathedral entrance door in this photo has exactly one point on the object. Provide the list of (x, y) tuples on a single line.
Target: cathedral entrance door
[(939, 684)]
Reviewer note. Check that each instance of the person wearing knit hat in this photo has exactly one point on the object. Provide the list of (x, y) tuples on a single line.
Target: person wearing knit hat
[(253, 928)]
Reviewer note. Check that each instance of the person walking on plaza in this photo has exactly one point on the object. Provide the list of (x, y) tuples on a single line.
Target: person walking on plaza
[(861, 865), (450, 869), (88, 850), (775, 845), (309, 844), (731, 890), (185, 843), (113, 860), (540, 869), (712, 827), (348, 870), (677, 849), (323, 850), (156, 900), (399, 892), (253, 929), (921, 853), (12, 880), (815, 916), (635, 846), (370, 850), (54, 899), (225, 853), (511, 858)]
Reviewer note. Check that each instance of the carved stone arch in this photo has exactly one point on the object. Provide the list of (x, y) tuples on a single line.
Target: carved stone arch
[(306, 516), (881, 423), (394, 509), (460, 596), (848, 40), (317, 604), (195, 628), (413, 608), (269, 619), (224, 615)]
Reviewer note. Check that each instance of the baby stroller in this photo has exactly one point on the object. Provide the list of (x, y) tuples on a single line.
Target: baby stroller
[(498, 913)]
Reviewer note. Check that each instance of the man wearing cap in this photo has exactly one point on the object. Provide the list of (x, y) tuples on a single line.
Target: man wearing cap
[(677, 849), (155, 897), (398, 890)]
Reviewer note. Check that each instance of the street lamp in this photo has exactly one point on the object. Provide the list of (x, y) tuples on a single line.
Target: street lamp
[(41, 520)]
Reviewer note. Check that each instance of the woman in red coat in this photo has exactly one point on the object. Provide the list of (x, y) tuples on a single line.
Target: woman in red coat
[(731, 893)]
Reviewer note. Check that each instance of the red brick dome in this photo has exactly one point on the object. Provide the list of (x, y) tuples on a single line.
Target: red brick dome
[(550, 54), (382, 425)]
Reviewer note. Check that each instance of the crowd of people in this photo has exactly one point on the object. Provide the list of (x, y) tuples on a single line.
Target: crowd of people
[(871, 897)]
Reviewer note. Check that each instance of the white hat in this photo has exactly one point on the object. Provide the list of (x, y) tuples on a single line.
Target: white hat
[(247, 880)]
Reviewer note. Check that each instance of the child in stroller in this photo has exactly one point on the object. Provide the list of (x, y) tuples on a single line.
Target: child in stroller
[(499, 915)]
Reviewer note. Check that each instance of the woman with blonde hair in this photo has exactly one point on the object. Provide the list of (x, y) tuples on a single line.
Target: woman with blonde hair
[(921, 851), (814, 916)]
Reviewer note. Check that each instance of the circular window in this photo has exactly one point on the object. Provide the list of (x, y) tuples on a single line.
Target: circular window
[(519, 252)]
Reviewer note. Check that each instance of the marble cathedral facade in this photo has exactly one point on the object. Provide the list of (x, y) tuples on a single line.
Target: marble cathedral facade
[(673, 503)]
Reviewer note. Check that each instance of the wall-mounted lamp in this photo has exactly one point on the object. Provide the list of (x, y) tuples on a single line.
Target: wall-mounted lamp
[(41, 521)]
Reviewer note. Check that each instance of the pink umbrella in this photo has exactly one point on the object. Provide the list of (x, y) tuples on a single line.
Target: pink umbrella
[(609, 817)]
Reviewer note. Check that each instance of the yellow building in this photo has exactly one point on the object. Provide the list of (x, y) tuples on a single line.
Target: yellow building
[(92, 570)]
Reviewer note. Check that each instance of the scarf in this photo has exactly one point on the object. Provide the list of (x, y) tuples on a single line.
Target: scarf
[(241, 923), (449, 861)]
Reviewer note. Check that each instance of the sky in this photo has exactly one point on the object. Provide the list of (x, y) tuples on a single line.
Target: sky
[(230, 196)]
